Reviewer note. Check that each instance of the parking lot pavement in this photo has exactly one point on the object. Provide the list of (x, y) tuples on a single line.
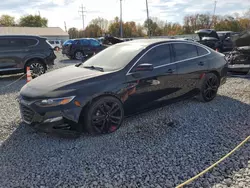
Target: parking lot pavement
[(160, 148)]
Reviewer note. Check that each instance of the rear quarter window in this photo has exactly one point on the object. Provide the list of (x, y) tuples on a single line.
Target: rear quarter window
[(201, 51)]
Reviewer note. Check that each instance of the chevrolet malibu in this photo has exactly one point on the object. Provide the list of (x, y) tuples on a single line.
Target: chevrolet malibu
[(122, 80)]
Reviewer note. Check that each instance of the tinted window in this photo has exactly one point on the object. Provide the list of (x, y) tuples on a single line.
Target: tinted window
[(18, 42), (84, 42), (201, 51), (76, 42), (184, 51), (4, 42), (57, 42), (51, 42), (94, 43), (157, 56)]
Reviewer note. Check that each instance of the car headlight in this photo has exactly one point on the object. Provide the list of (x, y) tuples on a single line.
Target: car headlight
[(55, 101)]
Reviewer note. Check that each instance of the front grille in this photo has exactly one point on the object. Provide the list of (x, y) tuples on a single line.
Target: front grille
[(26, 113)]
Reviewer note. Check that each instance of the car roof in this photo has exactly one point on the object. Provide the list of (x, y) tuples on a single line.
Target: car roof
[(27, 36), (148, 42)]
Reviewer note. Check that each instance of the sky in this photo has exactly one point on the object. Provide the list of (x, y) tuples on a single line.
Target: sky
[(60, 11)]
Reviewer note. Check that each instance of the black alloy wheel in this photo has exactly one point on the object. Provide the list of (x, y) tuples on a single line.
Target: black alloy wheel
[(104, 116), (37, 68), (209, 87)]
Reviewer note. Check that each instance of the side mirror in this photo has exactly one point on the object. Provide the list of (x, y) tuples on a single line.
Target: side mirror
[(143, 67)]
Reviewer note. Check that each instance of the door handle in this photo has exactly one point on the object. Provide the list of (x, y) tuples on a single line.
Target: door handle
[(201, 63), (170, 71)]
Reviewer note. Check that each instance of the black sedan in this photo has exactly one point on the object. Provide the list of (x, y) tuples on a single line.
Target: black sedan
[(123, 79)]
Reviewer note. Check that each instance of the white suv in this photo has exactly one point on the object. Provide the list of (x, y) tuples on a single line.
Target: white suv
[(57, 44)]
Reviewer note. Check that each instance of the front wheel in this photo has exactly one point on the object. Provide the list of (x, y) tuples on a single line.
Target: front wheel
[(105, 115), (209, 88)]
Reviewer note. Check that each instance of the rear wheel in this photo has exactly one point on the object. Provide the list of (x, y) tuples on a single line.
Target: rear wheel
[(209, 88), (78, 55), (105, 115), (38, 68)]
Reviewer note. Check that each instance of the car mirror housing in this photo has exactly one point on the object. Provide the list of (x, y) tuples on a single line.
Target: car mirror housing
[(144, 67)]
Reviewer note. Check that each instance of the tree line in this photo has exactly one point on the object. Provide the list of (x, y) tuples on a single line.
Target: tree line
[(100, 26), (154, 26), (24, 21)]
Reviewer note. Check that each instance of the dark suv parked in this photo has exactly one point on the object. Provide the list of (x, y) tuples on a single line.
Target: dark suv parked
[(79, 48), (19, 51)]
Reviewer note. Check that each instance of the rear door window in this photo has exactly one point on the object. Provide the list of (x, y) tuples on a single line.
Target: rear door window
[(157, 56), (184, 51), (94, 43), (18, 42), (84, 42), (51, 42)]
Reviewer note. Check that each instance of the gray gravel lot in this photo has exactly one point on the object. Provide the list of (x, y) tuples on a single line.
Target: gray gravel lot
[(147, 151)]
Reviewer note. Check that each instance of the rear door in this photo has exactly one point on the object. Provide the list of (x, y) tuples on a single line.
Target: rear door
[(12, 52), (191, 61)]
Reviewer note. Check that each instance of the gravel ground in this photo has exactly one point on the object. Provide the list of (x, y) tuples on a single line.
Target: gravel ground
[(160, 148)]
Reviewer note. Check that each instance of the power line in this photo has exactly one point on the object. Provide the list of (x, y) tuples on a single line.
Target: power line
[(82, 11)]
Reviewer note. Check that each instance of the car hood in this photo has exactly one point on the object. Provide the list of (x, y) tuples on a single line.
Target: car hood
[(58, 82)]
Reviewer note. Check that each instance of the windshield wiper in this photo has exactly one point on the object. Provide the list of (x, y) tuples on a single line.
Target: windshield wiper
[(93, 67)]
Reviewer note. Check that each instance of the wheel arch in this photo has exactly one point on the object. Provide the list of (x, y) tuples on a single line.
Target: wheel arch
[(94, 98), (216, 73), (41, 60)]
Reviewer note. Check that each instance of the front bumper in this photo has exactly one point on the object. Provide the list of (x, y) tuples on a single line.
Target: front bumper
[(48, 119)]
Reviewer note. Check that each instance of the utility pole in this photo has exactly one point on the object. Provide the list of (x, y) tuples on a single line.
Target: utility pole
[(65, 26), (213, 19), (121, 28), (148, 18), (82, 11)]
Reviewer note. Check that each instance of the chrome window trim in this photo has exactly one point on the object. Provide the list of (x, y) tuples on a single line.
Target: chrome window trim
[(175, 62)]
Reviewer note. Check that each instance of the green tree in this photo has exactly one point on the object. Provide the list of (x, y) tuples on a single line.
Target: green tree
[(93, 31), (73, 33), (153, 27), (101, 22), (33, 21), (114, 27), (6, 20)]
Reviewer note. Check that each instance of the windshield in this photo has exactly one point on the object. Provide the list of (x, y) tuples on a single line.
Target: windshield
[(114, 57)]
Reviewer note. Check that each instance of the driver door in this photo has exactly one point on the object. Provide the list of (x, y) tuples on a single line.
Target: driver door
[(146, 89)]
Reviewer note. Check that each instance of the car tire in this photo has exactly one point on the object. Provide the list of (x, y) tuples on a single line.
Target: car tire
[(103, 116), (38, 68), (209, 87), (78, 55)]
